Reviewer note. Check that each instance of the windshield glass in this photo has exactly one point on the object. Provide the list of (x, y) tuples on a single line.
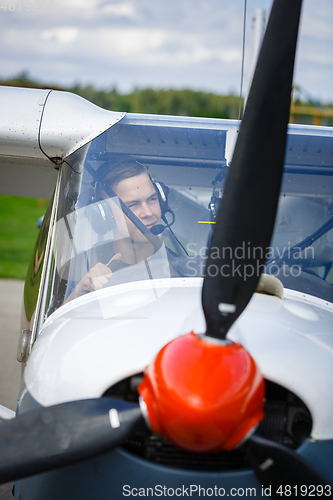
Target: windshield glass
[(139, 202)]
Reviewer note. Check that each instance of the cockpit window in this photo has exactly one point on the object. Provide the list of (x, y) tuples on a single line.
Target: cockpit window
[(139, 202)]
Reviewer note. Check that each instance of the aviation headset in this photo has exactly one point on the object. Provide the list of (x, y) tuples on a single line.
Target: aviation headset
[(100, 212)]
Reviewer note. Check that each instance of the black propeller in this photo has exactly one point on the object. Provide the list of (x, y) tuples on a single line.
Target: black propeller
[(49, 438), (246, 217), (60, 435), (247, 211), (280, 469)]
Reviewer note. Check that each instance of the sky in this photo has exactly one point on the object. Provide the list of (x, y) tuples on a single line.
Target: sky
[(177, 44)]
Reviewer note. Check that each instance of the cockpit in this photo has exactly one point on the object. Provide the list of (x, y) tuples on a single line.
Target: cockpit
[(187, 164)]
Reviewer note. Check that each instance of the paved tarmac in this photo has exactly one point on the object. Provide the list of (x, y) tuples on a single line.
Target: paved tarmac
[(11, 294)]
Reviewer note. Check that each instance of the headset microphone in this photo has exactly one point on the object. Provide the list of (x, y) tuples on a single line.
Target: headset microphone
[(158, 229)]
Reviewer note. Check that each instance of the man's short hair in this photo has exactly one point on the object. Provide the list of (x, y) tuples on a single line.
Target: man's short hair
[(124, 171), (113, 174)]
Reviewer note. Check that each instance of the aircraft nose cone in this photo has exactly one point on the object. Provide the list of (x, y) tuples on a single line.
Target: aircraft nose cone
[(201, 395)]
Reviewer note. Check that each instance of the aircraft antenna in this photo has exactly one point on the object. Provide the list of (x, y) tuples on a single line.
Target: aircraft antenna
[(242, 70)]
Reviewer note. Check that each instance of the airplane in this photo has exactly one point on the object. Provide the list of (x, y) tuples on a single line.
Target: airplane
[(204, 368)]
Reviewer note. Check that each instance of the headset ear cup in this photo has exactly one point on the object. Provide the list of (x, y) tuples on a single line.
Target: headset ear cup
[(101, 217), (162, 192)]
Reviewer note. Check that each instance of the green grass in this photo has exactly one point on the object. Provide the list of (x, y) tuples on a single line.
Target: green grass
[(18, 233)]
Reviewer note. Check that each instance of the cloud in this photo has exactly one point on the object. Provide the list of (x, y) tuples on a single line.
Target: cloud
[(186, 43), (157, 47), (63, 35), (77, 5), (125, 9)]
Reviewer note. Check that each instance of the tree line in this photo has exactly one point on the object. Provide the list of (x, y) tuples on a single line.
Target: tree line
[(184, 102)]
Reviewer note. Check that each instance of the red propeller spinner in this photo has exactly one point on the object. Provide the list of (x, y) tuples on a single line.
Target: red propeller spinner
[(203, 394)]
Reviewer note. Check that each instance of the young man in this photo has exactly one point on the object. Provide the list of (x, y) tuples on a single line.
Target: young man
[(132, 183)]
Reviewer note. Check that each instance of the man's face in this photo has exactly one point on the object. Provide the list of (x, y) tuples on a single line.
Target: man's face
[(139, 194)]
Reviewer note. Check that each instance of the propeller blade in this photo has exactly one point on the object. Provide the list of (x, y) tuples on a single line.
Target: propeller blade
[(49, 438), (246, 215), (277, 467), (245, 221)]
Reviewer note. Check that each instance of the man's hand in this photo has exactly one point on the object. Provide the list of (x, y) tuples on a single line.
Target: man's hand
[(95, 279)]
